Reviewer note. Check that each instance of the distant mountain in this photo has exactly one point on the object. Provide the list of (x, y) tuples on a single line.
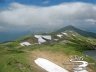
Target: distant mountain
[(79, 31)]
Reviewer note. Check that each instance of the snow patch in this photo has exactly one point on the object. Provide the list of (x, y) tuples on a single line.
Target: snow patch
[(41, 38), (64, 33), (49, 66), (47, 37), (25, 44), (59, 35), (56, 39)]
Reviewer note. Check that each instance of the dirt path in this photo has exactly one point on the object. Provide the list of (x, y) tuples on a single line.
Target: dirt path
[(58, 58)]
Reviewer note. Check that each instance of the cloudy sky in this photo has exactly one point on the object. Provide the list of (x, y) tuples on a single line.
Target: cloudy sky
[(47, 15)]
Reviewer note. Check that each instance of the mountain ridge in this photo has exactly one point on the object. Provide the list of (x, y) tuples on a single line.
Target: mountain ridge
[(79, 31)]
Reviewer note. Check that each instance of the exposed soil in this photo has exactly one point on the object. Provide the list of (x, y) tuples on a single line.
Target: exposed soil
[(58, 58)]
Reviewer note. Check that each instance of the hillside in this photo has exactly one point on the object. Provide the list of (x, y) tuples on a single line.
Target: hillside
[(79, 31), (17, 58)]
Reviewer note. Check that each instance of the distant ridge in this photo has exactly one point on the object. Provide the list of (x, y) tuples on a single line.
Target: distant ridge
[(79, 31)]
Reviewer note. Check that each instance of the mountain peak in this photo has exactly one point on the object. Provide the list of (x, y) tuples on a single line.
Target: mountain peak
[(69, 27), (79, 31)]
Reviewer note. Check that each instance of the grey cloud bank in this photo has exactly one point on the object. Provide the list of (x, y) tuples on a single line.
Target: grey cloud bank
[(25, 17)]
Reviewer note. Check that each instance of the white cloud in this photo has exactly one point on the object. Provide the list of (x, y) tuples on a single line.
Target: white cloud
[(24, 16), (93, 21)]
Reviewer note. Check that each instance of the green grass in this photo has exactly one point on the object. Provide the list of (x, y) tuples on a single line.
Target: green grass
[(14, 59)]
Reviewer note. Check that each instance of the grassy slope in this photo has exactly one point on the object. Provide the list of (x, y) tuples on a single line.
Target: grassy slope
[(14, 58)]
